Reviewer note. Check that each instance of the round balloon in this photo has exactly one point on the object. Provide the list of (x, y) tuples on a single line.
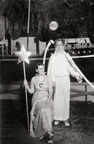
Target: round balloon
[(53, 25)]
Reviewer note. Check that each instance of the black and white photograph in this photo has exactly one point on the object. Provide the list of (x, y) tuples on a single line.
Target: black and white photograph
[(46, 71)]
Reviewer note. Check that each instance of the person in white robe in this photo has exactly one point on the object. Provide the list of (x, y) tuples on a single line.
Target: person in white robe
[(60, 69)]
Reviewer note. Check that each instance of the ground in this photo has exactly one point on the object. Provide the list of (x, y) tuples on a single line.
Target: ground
[(14, 128)]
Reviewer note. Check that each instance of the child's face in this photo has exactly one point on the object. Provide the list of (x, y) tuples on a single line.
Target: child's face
[(40, 70), (59, 46)]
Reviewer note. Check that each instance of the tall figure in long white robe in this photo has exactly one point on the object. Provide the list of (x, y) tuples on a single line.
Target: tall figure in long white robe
[(59, 69)]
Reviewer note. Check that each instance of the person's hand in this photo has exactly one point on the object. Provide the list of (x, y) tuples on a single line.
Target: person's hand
[(48, 100), (79, 79), (26, 84)]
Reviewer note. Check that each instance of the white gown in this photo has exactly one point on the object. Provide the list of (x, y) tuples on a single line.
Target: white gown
[(59, 70)]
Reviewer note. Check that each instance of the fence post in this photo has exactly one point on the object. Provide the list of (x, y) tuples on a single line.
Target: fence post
[(86, 92)]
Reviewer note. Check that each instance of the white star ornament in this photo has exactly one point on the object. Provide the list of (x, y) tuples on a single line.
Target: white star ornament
[(23, 55)]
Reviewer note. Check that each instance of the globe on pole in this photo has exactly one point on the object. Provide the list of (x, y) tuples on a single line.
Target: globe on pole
[(53, 25)]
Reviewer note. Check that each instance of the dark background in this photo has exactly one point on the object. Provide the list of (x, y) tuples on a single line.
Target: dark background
[(10, 71)]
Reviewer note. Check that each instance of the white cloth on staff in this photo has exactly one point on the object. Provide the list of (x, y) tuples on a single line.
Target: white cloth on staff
[(59, 70)]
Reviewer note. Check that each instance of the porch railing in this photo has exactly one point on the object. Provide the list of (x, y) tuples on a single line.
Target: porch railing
[(77, 90)]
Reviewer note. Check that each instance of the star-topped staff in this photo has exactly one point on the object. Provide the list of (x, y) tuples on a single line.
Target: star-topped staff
[(23, 57)]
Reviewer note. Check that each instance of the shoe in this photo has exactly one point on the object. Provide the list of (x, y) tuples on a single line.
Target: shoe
[(56, 122), (49, 136), (50, 141), (41, 137), (67, 124)]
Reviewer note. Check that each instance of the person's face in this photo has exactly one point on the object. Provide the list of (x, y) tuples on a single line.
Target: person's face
[(40, 70), (59, 46)]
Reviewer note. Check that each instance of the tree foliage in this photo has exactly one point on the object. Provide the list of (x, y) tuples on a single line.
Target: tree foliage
[(75, 18)]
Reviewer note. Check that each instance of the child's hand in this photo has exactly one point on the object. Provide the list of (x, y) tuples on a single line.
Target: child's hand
[(48, 100), (26, 84)]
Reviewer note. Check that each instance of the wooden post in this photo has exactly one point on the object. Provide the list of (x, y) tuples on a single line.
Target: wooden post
[(28, 25), (26, 97), (86, 92), (37, 45)]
